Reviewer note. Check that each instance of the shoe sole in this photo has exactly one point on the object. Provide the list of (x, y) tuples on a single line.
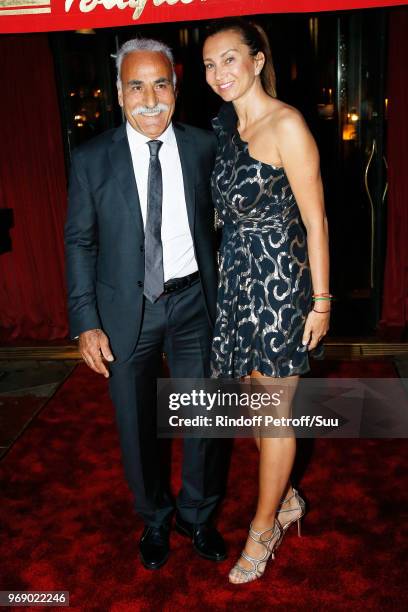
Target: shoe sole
[(182, 531), (153, 567)]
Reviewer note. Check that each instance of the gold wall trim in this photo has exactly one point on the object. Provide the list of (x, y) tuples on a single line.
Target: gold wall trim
[(23, 11), (334, 350), (23, 3)]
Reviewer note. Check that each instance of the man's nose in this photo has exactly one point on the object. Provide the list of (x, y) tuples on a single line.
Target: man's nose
[(150, 97)]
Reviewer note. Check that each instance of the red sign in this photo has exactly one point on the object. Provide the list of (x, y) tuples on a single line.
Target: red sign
[(46, 15)]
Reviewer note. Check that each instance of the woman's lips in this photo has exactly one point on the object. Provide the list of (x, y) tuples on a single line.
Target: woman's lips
[(225, 86)]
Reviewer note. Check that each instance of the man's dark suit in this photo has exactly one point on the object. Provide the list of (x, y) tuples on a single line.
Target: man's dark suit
[(105, 274)]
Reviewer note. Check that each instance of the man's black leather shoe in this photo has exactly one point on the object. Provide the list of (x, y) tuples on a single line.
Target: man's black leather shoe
[(154, 546), (207, 541)]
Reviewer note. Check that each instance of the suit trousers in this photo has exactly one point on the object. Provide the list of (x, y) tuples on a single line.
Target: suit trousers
[(178, 325)]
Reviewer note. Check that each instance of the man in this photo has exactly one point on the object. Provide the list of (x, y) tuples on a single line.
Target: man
[(142, 279)]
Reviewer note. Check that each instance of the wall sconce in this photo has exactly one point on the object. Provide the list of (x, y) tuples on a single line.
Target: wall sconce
[(352, 117)]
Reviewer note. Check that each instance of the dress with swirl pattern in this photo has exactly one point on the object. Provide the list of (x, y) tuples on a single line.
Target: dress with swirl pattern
[(264, 291)]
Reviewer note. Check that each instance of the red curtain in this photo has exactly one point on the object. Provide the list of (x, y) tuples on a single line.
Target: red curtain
[(33, 184), (395, 301)]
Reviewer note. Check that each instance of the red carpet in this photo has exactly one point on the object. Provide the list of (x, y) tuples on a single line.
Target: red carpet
[(67, 520)]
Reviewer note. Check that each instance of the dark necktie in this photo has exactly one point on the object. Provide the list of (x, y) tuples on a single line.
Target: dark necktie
[(154, 276)]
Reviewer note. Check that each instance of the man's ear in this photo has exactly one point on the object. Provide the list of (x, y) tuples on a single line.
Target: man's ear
[(120, 96)]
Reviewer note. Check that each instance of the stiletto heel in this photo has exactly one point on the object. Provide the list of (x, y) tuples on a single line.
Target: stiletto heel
[(270, 545), (301, 509)]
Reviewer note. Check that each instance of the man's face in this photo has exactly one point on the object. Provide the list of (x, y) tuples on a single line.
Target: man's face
[(147, 94)]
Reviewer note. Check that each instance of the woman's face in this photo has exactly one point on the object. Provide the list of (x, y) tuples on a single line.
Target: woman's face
[(229, 67)]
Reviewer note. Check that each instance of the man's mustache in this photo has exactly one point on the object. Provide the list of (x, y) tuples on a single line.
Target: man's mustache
[(148, 110)]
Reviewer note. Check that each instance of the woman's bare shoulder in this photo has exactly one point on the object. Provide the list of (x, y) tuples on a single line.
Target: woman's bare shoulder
[(284, 117), (288, 120), (281, 120)]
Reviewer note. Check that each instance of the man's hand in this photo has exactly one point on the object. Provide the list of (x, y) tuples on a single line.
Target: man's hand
[(94, 347)]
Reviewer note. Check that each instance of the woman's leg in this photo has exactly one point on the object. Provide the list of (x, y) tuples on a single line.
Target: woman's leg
[(276, 457)]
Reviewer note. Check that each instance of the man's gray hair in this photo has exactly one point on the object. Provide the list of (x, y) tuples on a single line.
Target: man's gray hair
[(143, 44)]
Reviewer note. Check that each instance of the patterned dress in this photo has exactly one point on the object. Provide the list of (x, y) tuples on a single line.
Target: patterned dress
[(264, 291)]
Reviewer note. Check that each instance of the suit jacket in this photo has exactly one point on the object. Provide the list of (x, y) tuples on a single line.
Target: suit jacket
[(104, 234)]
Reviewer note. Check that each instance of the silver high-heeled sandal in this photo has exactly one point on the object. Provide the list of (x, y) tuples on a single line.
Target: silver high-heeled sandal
[(301, 508), (270, 544)]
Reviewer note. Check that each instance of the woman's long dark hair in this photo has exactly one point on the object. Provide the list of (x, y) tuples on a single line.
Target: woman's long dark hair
[(254, 37)]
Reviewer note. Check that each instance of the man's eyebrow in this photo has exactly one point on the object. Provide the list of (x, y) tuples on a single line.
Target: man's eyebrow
[(156, 82), (162, 80)]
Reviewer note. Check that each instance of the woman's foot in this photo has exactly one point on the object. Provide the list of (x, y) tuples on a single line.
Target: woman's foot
[(290, 510), (259, 547)]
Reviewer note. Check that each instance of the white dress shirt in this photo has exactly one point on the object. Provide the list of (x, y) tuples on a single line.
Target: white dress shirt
[(178, 249)]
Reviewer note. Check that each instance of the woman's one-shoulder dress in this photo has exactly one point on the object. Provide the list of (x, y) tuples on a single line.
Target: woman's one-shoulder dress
[(264, 291)]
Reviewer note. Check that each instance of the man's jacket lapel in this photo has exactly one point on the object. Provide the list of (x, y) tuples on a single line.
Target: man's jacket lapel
[(188, 166), (121, 161)]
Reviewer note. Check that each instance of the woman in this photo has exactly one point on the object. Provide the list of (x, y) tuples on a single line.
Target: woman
[(267, 189)]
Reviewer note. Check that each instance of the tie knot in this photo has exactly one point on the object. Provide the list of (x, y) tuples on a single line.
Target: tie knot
[(154, 146)]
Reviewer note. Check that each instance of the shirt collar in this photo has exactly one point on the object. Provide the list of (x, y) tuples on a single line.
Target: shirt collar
[(136, 139)]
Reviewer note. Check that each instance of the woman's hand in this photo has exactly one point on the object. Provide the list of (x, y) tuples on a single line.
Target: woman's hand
[(316, 327)]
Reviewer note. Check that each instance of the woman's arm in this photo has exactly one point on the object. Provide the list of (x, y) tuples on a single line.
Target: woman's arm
[(300, 159)]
